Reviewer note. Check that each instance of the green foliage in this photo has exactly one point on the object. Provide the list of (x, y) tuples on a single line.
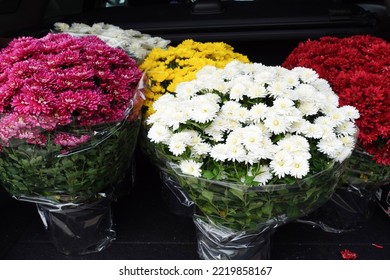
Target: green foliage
[(48, 173), (242, 207)]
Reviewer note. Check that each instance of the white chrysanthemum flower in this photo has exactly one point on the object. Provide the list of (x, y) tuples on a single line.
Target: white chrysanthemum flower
[(237, 91), (194, 138), (263, 77), (308, 108), (337, 116), (61, 26), (256, 91), (278, 89), (299, 167), (236, 152), (229, 109), (174, 118), (206, 71), (322, 85), (258, 112), (219, 152), (251, 137), (221, 124), (307, 75), (215, 133), (331, 100), (292, 79), (164, 102), (330, 146), (178, 143), (235, 137), (203, 108), (201, 149), (280, 164), (313, 130), (159, 133), (306, 92), (350, 112), (348, 141), (186, 89), (263, 175), (283, 106), (342, 154), (293, 144), (265, 150), (191, 167), (276, 123), (299, 126), (346, 128), (325, 121)]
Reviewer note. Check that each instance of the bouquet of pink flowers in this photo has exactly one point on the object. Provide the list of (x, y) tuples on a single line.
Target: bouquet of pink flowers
[(69, 116)]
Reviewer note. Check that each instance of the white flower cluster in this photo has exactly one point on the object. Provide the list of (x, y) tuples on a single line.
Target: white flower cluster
[(254, 114), (136, 44)]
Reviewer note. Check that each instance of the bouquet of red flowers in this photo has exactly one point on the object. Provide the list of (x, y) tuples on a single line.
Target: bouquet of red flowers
[(358, 69)]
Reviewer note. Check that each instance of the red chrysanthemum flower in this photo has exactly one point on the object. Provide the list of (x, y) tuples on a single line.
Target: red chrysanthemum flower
[(358, 69)]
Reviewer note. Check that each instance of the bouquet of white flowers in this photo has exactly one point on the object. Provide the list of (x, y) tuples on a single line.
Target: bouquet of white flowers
[(253, 146)]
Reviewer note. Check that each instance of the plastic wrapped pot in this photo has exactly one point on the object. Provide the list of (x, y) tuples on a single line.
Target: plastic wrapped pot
[(242, 207), (353, 203), (222, 243), (79, 229)]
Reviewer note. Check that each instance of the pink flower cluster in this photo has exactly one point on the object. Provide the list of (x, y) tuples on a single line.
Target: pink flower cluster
[(59, 80), (358, 69)]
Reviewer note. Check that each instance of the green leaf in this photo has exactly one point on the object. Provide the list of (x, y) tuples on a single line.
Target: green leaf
[(238, 193)]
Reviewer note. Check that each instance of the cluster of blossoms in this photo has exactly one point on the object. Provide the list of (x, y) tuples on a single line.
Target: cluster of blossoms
[(253, 124), (133, 42), (358, 69), (167, 68), (51, 85)]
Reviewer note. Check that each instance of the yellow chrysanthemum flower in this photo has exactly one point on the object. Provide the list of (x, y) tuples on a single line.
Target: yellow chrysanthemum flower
[(165, 68)]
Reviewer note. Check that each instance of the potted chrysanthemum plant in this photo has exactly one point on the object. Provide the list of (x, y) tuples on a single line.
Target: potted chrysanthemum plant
[(164, 69), (70, 117), (358, 69), (254, 147)]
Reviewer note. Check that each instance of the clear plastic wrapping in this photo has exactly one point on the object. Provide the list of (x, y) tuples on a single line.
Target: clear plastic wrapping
[(236, 221), (353, 203), (242, 207), (222, 243), (79, 229), (175, 197)]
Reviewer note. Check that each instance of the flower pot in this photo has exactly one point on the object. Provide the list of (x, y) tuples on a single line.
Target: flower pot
[(79, 229), (221, 243)]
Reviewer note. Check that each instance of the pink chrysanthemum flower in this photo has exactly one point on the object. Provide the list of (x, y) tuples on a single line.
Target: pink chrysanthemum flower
[(60, 80)]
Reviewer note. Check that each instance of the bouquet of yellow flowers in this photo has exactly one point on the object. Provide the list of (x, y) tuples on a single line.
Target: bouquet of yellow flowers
[(165, 68)]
